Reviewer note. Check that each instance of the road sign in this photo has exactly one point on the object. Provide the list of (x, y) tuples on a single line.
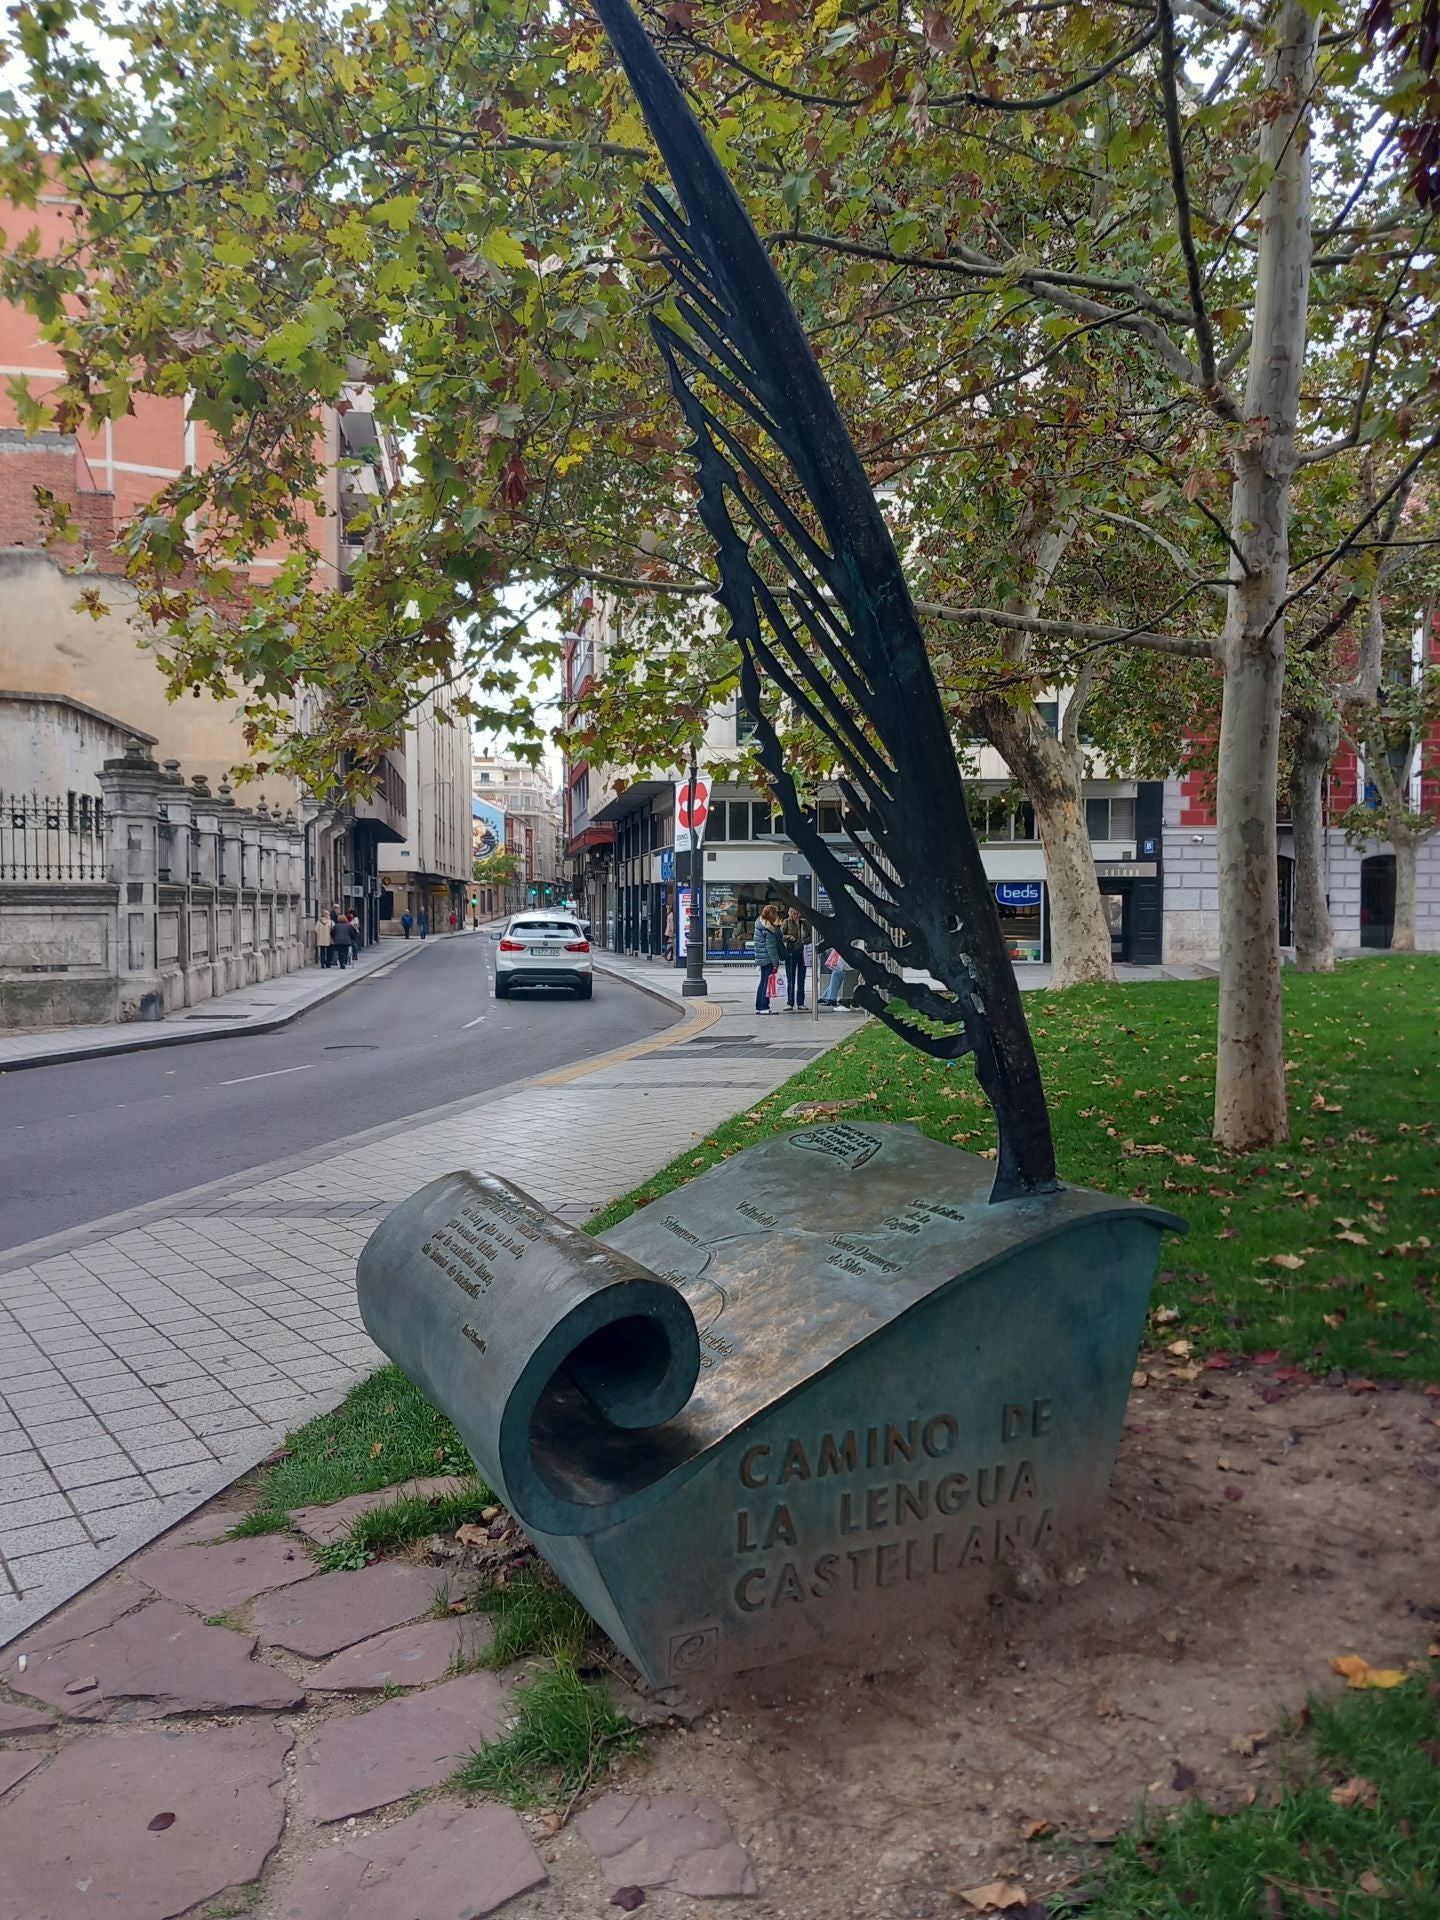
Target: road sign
[(692, 810)]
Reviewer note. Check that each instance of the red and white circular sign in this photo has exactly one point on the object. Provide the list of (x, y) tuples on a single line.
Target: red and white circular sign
[(692, 804)]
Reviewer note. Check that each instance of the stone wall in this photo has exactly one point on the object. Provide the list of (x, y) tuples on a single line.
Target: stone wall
[(1192, 898), (201, 897)]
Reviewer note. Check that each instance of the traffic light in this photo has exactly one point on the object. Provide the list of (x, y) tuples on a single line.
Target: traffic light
[(474, 901), (534, 893)]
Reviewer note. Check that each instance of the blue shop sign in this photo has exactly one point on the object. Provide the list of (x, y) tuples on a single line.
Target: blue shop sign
[(1018, 893), (667, 863)]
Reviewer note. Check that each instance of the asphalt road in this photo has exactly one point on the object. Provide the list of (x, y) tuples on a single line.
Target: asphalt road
[(83, 1140)]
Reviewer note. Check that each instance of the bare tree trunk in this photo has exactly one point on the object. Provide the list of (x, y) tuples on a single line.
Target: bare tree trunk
[(1050, 778), (1316, 741), (1406, 845), (1250, 1107)]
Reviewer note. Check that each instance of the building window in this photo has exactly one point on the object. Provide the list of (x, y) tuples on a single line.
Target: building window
[(998, 816), (1110, 818), (1049, 712), (762, 823), (827, 817), (744, 723)]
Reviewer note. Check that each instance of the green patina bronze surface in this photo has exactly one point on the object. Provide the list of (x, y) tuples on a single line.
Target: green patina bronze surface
[(816, 1395)]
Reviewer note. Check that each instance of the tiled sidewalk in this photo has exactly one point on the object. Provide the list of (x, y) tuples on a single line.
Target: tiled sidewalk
[(255, 1009), (148, 1359)]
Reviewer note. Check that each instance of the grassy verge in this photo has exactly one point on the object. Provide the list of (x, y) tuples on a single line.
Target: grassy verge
[(566, 1732), (533, 1614), (412, 1517), (1321, 1249), (381, 1434), (1354, 1833)]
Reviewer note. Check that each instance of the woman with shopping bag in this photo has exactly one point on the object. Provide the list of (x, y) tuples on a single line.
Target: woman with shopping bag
[(769, 952)]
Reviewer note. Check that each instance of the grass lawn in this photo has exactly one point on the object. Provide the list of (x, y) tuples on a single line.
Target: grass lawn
[(1354, 1833), (1321, 1249), (381, 1434)]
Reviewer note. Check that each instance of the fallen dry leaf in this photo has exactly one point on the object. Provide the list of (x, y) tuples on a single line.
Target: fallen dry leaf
[(377, 1449), (1180, 1349), (1358, 1671), (1248, 1743), (1142, 1379), (1355, 1239), (1370, 1883), (995, 1896), (458, 1606), (1355, 1792), (472, 1536), (1037, 1829), (1223, 1462), (160, 1822), (1166, 1316), (1290, 1261)]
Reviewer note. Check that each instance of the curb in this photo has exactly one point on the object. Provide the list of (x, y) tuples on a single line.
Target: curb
[(643, 986), (69, 1056)]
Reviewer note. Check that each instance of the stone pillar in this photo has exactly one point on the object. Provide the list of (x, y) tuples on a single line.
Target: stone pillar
[(134, 791), (173, 926)]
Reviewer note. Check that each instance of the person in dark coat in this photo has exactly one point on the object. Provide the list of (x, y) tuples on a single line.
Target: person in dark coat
[(342, 939), (795, 935), (405, 924)]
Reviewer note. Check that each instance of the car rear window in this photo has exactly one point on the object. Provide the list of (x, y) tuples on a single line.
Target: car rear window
[(546, 926)]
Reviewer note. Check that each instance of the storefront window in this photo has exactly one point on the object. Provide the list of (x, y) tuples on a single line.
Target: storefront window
[(731, 911), (1021, 905)]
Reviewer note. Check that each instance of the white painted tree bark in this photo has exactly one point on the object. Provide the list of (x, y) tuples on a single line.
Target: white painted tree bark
[(1250, 1106)]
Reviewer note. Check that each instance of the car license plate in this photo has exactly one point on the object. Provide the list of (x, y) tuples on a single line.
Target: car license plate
[(544, 950)]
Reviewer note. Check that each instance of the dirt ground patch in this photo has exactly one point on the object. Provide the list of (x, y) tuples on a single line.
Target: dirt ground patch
[(1211, 1601)]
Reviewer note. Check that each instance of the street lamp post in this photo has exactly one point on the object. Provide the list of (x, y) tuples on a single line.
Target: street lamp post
[(694, 982)]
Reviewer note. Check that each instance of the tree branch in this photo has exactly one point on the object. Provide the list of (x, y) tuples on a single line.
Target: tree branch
[(1223, 402)]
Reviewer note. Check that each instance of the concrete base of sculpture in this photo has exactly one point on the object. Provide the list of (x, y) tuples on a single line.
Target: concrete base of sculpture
[(818, 1394)]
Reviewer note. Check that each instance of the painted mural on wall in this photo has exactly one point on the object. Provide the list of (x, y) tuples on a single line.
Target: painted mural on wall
[(487, 826)]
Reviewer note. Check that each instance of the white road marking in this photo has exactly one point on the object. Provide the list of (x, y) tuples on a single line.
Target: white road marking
[(473, 1023), (274, 1071)]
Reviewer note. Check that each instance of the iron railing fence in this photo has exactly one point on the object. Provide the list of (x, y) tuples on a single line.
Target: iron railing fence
[(52, 836)]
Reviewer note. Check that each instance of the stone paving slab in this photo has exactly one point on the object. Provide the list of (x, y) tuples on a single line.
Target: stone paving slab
[(327, 1524), (16, 1762), (443, 1863), (148, 1360), (18, 1716), (161, 1660), (215, 1578), (372, 1758), (335, 1610), (412, 1656), (222, 1787), (677, 1840)]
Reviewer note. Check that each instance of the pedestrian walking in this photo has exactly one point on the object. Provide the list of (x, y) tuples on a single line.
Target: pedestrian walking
[(453, 923), (669, 934), (769, 952), (357, 933), (795, 934), (424, 924), (836, 967), (342, 936), (324, 952), (406, 922)]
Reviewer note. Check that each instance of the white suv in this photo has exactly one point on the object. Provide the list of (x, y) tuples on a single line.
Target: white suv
[(544, 948)]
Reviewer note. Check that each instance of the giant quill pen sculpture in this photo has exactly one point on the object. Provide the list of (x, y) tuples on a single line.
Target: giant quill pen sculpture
[(819, 605), (822, 1390)]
